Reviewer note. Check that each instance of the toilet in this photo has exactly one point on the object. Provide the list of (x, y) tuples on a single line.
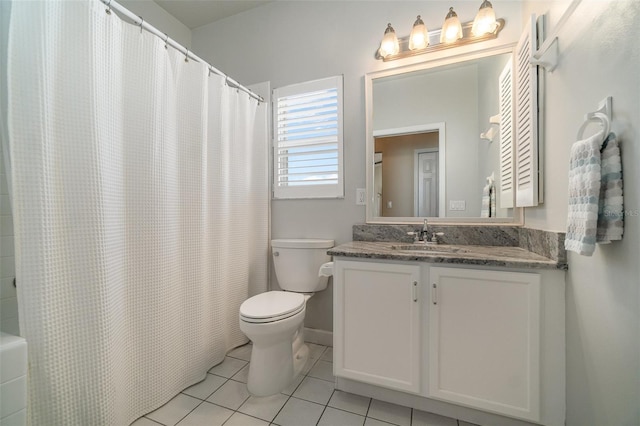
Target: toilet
[(274, 321)]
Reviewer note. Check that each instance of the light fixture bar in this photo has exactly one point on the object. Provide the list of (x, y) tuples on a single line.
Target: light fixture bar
[(435, 45)]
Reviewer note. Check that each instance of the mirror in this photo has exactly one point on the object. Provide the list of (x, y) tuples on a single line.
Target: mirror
[(425, 153)]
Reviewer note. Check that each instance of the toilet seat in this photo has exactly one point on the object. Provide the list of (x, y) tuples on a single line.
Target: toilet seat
[(271, 306)]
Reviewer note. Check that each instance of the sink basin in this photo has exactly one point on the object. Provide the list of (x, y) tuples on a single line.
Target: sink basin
[(433, 248)]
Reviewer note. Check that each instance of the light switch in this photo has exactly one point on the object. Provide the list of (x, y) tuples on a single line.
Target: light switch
[(389, 204), (457, 205), (361, 196)]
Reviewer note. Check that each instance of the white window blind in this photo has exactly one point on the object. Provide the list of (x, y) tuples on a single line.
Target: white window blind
[(526, 118), (506, 136), (307, 145)]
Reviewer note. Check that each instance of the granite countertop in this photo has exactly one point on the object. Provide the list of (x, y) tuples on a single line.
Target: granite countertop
[(512, 257)]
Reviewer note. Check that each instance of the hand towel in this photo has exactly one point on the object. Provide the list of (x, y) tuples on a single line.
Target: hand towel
[(584, 194), (610, 206)]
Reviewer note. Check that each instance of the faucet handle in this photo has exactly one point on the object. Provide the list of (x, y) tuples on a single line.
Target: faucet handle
[(415, 235), (435, 235)]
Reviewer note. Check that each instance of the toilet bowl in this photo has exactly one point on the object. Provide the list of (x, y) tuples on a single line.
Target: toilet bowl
[(274, 321)]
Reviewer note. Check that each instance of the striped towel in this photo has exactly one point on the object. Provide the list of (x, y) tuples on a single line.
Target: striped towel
[(610, 206), (595, 198)]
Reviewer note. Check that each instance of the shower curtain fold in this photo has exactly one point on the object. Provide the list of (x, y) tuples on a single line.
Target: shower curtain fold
[(135, 176)]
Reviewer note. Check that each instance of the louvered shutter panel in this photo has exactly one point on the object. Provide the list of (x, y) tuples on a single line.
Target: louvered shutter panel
[(526, 118), (308, 140), (505, 85)]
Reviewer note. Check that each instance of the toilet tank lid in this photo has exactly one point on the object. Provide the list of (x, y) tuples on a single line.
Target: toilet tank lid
[(302, 243)]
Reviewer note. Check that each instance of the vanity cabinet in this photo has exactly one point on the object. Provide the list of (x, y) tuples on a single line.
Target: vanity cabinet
[(377, 323), (484, 340), (487, 340)]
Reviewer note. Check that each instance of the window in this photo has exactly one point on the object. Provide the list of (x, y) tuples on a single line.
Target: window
[(307, 143)]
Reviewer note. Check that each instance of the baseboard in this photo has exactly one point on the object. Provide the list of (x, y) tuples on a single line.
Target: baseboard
[(319, 337)]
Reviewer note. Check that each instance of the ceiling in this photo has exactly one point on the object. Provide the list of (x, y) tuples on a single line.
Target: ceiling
[(194, 13)]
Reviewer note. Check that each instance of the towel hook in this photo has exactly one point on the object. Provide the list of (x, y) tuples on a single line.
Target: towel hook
[(595, 116)]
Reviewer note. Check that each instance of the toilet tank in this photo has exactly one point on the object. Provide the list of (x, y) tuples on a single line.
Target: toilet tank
[(297, 262)]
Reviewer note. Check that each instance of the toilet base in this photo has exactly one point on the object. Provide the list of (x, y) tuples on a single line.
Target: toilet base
[(274, 366)]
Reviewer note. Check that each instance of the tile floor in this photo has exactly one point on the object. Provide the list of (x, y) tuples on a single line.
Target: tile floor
[(222, 399)]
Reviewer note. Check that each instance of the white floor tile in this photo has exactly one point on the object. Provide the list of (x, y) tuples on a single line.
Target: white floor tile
[(206, 387), (314, 390), (231, 395), (327, 355), (242, 352), (322, 370), (374, 422), (422, 418), (206, 414), (173, 411), (242, 375), (309, 365), (297, 412), (315, 351), (333, 417), (292, 387), (350, 402), (228, 367), (264, 408), (239, 419), (143, 421), (390, 413)]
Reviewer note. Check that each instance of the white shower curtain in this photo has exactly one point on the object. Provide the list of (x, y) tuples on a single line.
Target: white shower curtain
[(140, 210)]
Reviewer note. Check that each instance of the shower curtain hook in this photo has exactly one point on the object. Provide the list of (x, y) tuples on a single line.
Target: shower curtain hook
[(108, 10), (141, 22), (186, 55), (226, 80), (166, 40)]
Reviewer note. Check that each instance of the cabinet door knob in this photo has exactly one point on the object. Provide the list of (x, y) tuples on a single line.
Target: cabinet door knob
[(414, 291), (434, 294)]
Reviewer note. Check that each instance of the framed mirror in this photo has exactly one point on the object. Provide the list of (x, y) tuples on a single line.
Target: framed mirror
[(433, 141)]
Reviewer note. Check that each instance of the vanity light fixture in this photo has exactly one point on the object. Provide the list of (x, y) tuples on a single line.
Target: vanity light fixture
[(419, 38), (452, 28), (389, 45), (453, 34), (485, 21)]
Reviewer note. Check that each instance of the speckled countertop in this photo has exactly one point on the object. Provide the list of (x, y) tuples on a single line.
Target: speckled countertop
[(512, 257)]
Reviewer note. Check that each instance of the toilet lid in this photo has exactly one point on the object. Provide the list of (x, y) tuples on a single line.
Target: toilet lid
[(271, 304)]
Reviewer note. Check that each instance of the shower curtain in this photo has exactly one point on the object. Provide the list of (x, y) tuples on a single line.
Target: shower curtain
[(140, 209)]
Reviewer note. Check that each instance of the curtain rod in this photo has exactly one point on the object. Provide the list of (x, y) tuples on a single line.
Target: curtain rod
[(139, 21)]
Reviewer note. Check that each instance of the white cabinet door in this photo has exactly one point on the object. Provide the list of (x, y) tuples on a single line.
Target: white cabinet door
[(376, 323), (484, 340)]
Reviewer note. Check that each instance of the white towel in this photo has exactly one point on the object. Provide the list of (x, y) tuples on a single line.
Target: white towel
[(485, 210), (584, 191), (610, 206), (595, 186)]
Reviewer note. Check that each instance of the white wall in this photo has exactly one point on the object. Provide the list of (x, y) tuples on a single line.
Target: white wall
[(599, 56), (288, 42), (161, 19)]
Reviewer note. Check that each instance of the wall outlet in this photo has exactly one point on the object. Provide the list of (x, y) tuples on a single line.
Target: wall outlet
[(361, 196), (457, 205)]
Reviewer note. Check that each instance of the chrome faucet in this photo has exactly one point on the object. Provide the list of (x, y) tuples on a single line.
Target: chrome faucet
[(424, 235)]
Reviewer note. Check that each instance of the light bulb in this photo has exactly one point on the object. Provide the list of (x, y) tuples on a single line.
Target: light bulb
[(452, 28), (485, 21), (389, 44), (419, 38)]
